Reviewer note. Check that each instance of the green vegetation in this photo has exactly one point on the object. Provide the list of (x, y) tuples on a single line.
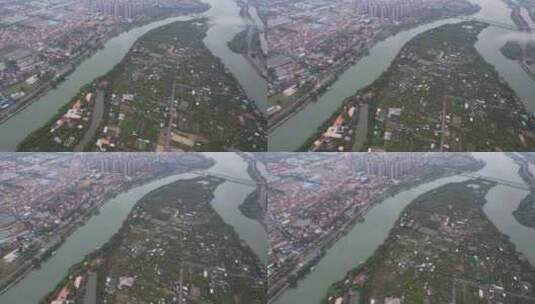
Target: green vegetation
[(512, 50), (516, 50)]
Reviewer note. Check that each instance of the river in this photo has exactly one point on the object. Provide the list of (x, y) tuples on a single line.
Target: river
[(291, 134), (364, 238), (225, 23), (99, 228)]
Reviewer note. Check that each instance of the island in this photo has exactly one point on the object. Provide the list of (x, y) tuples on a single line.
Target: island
[(523, 52), (525, 212)]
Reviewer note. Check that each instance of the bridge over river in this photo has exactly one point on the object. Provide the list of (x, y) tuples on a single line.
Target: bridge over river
[(229, 178), (501, 181), (502, 25)]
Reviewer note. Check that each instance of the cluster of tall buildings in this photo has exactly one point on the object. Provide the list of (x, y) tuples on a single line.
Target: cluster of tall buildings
[(130, 164), (387, 165), (127, 167), (125, 164), (386, 9), (120, 8)]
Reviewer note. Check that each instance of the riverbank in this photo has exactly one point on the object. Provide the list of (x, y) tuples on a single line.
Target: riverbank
[(280, 116), (315, 255), (308, 94), (443, 113), (251, 208), (60, 236), (70, 67), (395, 270)]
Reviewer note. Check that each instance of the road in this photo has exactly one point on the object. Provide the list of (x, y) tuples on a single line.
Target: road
[(90, 296), (443, 126), (96, 119), (361, 129), (172, 115)]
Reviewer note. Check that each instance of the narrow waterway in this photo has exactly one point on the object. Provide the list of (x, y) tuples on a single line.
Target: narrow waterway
[(364, 238), (99, 228), (290, 135), (225, 23)]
